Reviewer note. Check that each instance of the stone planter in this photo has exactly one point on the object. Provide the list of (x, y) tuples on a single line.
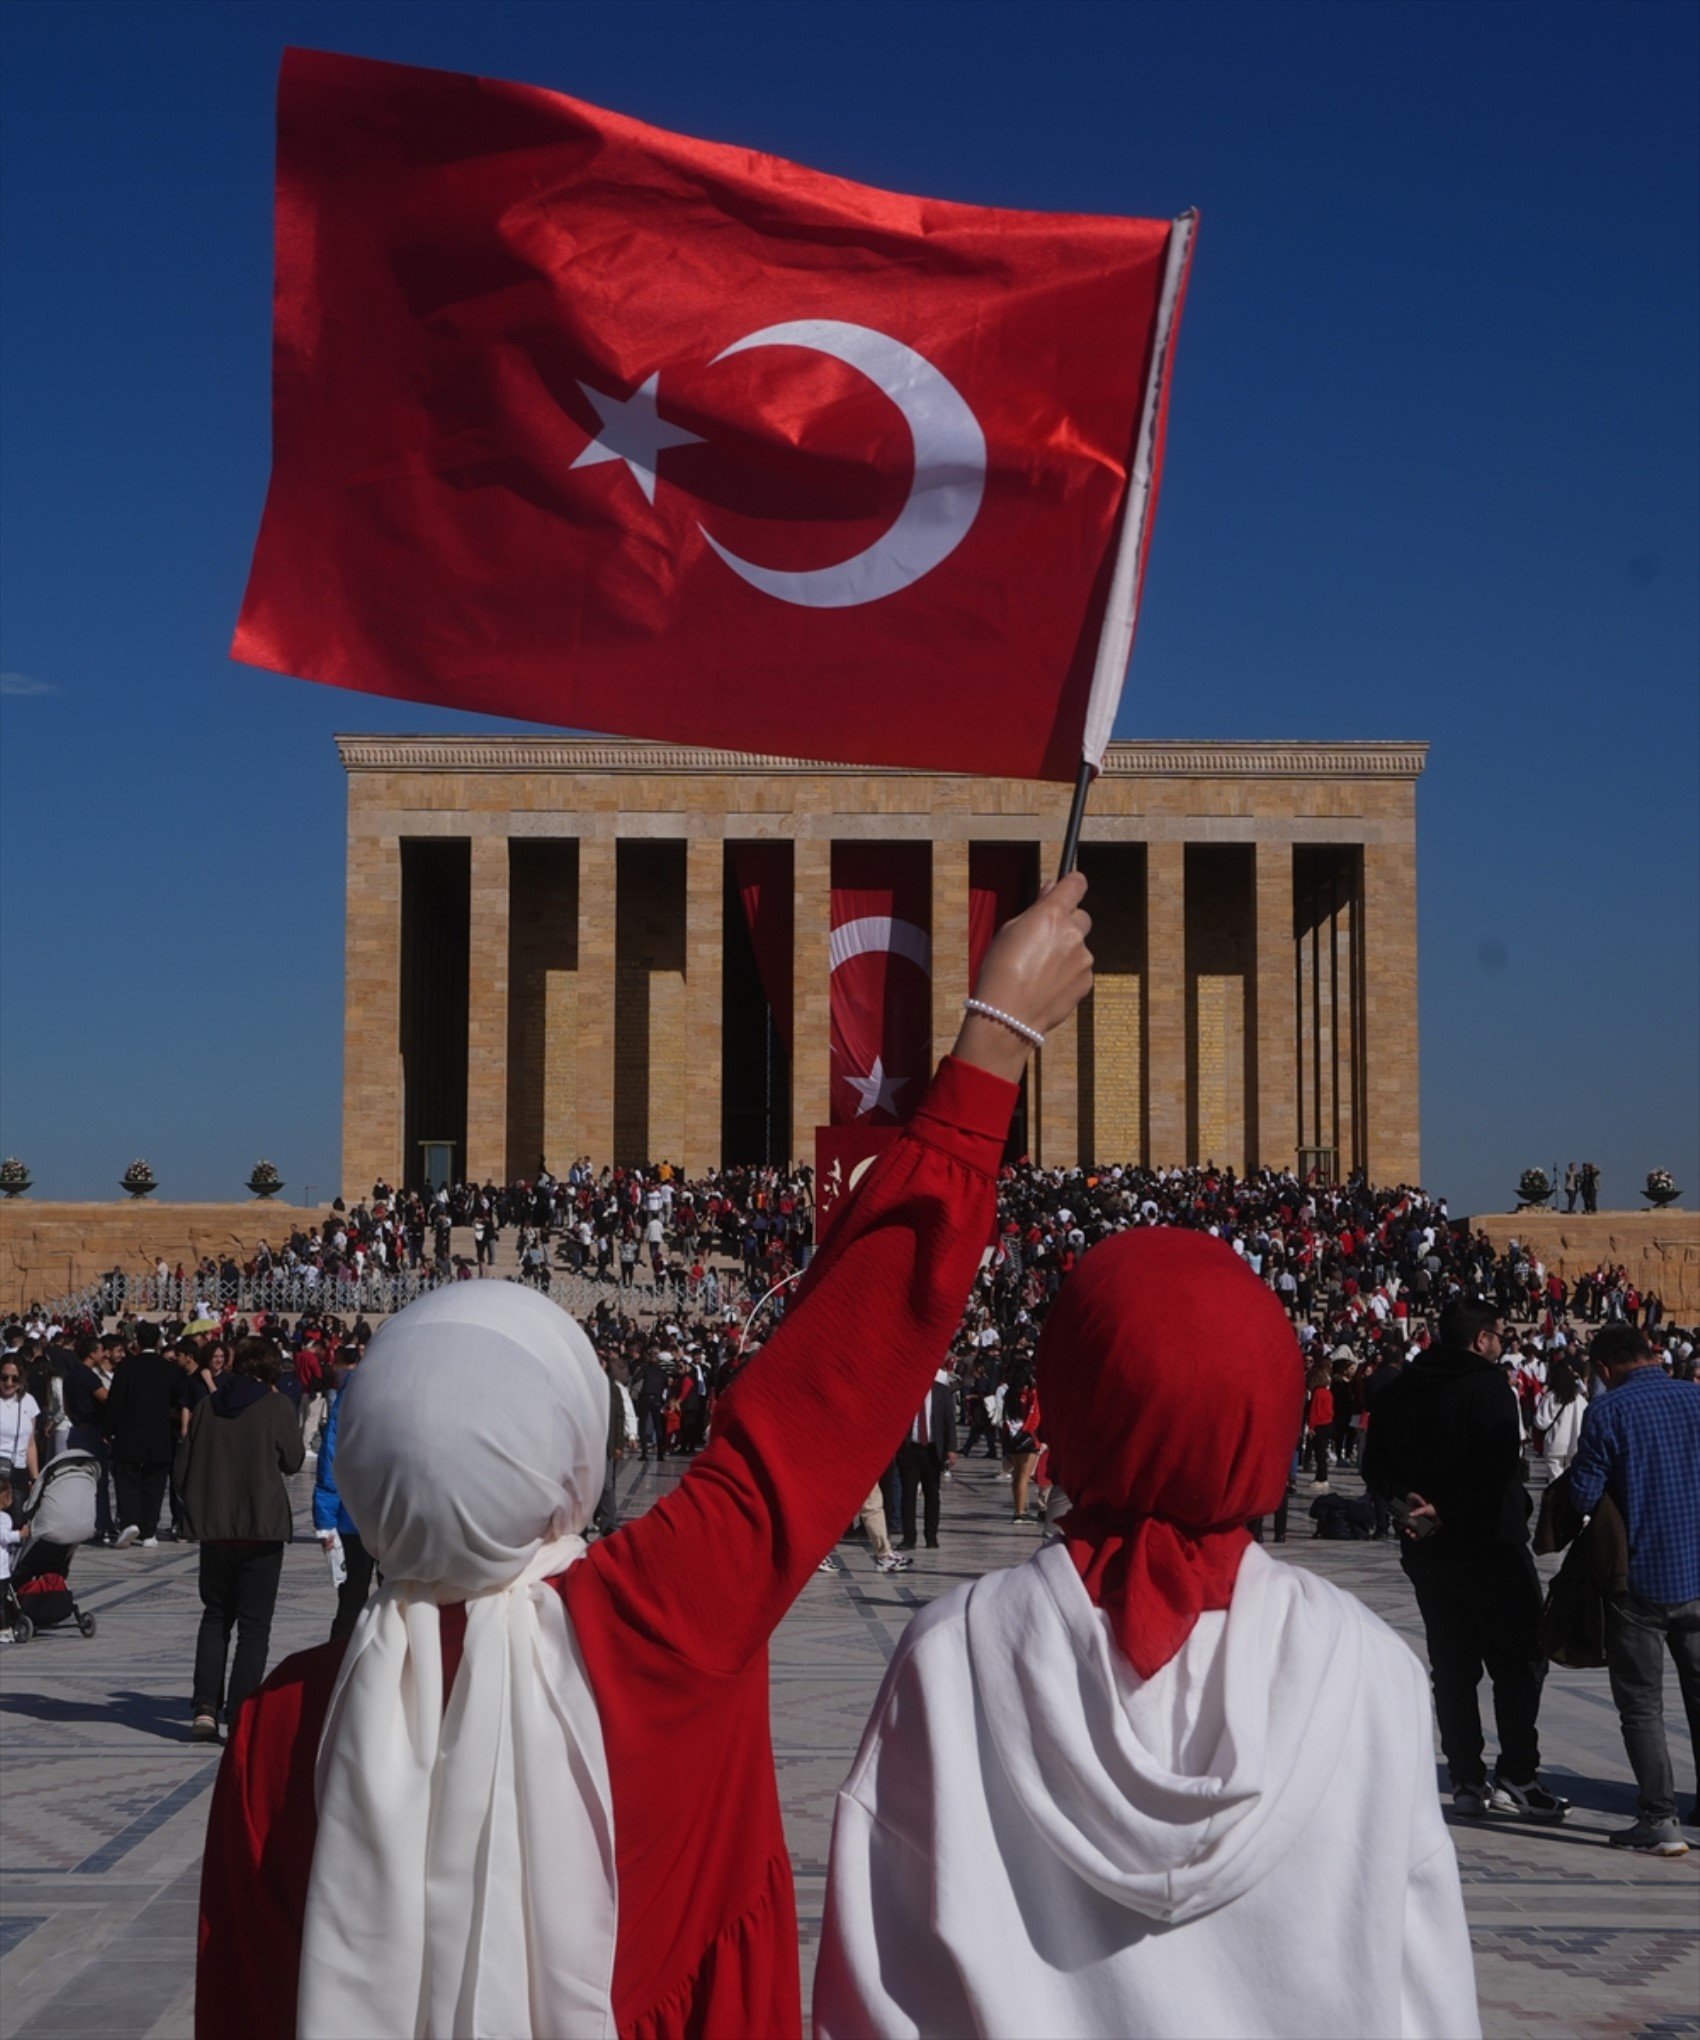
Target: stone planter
[(1658, 1199)]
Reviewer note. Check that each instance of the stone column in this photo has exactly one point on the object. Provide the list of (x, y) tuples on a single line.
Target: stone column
[(705, 938), (372, 1095), (1165, 1005), (1053, 1078), (597, 886), (1388, 931), (950, 944), (486, 1157), (811, 1000), (1275, 1012), (1345, 1030)]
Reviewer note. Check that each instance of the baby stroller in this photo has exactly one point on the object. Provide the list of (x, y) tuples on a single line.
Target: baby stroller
[(61, 1514)]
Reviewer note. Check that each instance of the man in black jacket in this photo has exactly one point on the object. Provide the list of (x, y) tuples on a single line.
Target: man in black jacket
[(1445, 1449), (141, 1412), (244, 1442), (649, 1387), (922, 1458)]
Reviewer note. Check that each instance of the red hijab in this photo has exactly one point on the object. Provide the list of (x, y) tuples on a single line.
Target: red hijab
[(1172, 1387)]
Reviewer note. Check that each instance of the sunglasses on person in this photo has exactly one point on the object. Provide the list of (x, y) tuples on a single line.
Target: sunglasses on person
[(10, 1379)]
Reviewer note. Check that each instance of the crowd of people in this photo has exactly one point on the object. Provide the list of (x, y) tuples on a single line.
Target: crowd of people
[(628, 1228), (734, 1233), (695, 1273)]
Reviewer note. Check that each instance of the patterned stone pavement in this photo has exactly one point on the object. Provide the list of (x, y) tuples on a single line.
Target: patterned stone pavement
[(103, 1799)]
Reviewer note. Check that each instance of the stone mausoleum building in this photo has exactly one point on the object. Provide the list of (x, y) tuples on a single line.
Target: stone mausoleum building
[(548, 956)]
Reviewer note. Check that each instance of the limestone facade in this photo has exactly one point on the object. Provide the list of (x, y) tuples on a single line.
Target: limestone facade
[(539, 935)]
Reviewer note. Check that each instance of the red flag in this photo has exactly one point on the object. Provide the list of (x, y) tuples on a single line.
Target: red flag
[(584, 422), (882, 981)]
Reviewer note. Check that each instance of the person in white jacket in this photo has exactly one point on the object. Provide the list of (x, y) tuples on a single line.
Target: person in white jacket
[(1559, 1410), (1154, 1781)]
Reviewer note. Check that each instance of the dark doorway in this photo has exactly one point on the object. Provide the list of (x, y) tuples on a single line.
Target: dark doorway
[(755, 1097), (436, 910)]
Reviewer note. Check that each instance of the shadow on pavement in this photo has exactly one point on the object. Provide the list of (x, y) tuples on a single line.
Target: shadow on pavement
[(149, 1713)]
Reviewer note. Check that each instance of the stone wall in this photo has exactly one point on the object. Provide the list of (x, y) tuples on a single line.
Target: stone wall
[(49, 1250), (1661, 1249)]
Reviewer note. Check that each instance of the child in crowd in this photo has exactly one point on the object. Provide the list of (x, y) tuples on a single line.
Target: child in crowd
[(10, 1538)]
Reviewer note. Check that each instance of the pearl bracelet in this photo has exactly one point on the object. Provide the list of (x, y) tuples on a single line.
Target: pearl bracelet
[(1004, 1019)]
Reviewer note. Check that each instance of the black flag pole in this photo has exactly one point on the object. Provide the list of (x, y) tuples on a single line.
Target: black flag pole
[(1076, 815)]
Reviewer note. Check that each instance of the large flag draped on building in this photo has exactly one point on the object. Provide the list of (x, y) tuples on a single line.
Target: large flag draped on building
[(882, 980), (579, 421)]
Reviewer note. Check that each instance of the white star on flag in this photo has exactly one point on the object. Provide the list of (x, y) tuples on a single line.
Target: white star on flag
[(633, 431), (877, 1091)]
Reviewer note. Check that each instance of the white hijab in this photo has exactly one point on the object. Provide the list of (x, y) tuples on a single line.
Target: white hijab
[(463, 1875)]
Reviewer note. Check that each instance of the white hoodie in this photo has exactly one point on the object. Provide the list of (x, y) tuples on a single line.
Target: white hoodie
[(1034, 1841)]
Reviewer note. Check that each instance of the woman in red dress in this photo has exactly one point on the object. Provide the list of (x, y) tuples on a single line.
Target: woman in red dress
[(386, 1835)]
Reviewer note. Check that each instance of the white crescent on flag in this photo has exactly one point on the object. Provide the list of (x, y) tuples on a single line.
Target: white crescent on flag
[(880, 931), (946, 483)]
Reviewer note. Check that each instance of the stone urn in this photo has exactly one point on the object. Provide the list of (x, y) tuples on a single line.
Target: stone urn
[(265, 1181), (14, 1177), (1534, 1187), (139, 1180), (1661, 1189)]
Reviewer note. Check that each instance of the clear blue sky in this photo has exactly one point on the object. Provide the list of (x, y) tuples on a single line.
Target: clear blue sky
[(1434, 471)]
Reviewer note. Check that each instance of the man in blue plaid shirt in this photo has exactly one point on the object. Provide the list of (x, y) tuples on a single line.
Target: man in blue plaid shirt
[(1642, 1442)]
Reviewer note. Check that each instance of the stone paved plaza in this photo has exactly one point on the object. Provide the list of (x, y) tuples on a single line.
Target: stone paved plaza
[(103, 1799)]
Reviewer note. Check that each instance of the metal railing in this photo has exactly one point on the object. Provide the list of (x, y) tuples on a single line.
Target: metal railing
[(373, 1293)]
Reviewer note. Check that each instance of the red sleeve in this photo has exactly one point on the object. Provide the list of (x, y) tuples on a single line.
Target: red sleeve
[(259, 1855), (708, 1573)]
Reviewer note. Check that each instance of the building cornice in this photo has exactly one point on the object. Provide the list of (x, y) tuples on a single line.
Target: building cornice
[(575, 755)]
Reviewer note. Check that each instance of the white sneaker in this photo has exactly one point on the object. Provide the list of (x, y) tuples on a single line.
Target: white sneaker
[(147, 1543), (829, 1564), (1651, 1838), (126, 1537)]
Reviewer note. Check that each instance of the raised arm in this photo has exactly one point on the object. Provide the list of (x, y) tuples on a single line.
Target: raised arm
[(807, 1429)]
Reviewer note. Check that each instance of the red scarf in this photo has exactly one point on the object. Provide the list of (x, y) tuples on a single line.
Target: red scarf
[(1173, 1388)]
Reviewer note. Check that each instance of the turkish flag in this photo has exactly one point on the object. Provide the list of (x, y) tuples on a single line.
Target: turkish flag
[(882, 981), (583, 422)]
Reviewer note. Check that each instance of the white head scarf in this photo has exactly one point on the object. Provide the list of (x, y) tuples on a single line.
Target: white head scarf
[(463, 1875)]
